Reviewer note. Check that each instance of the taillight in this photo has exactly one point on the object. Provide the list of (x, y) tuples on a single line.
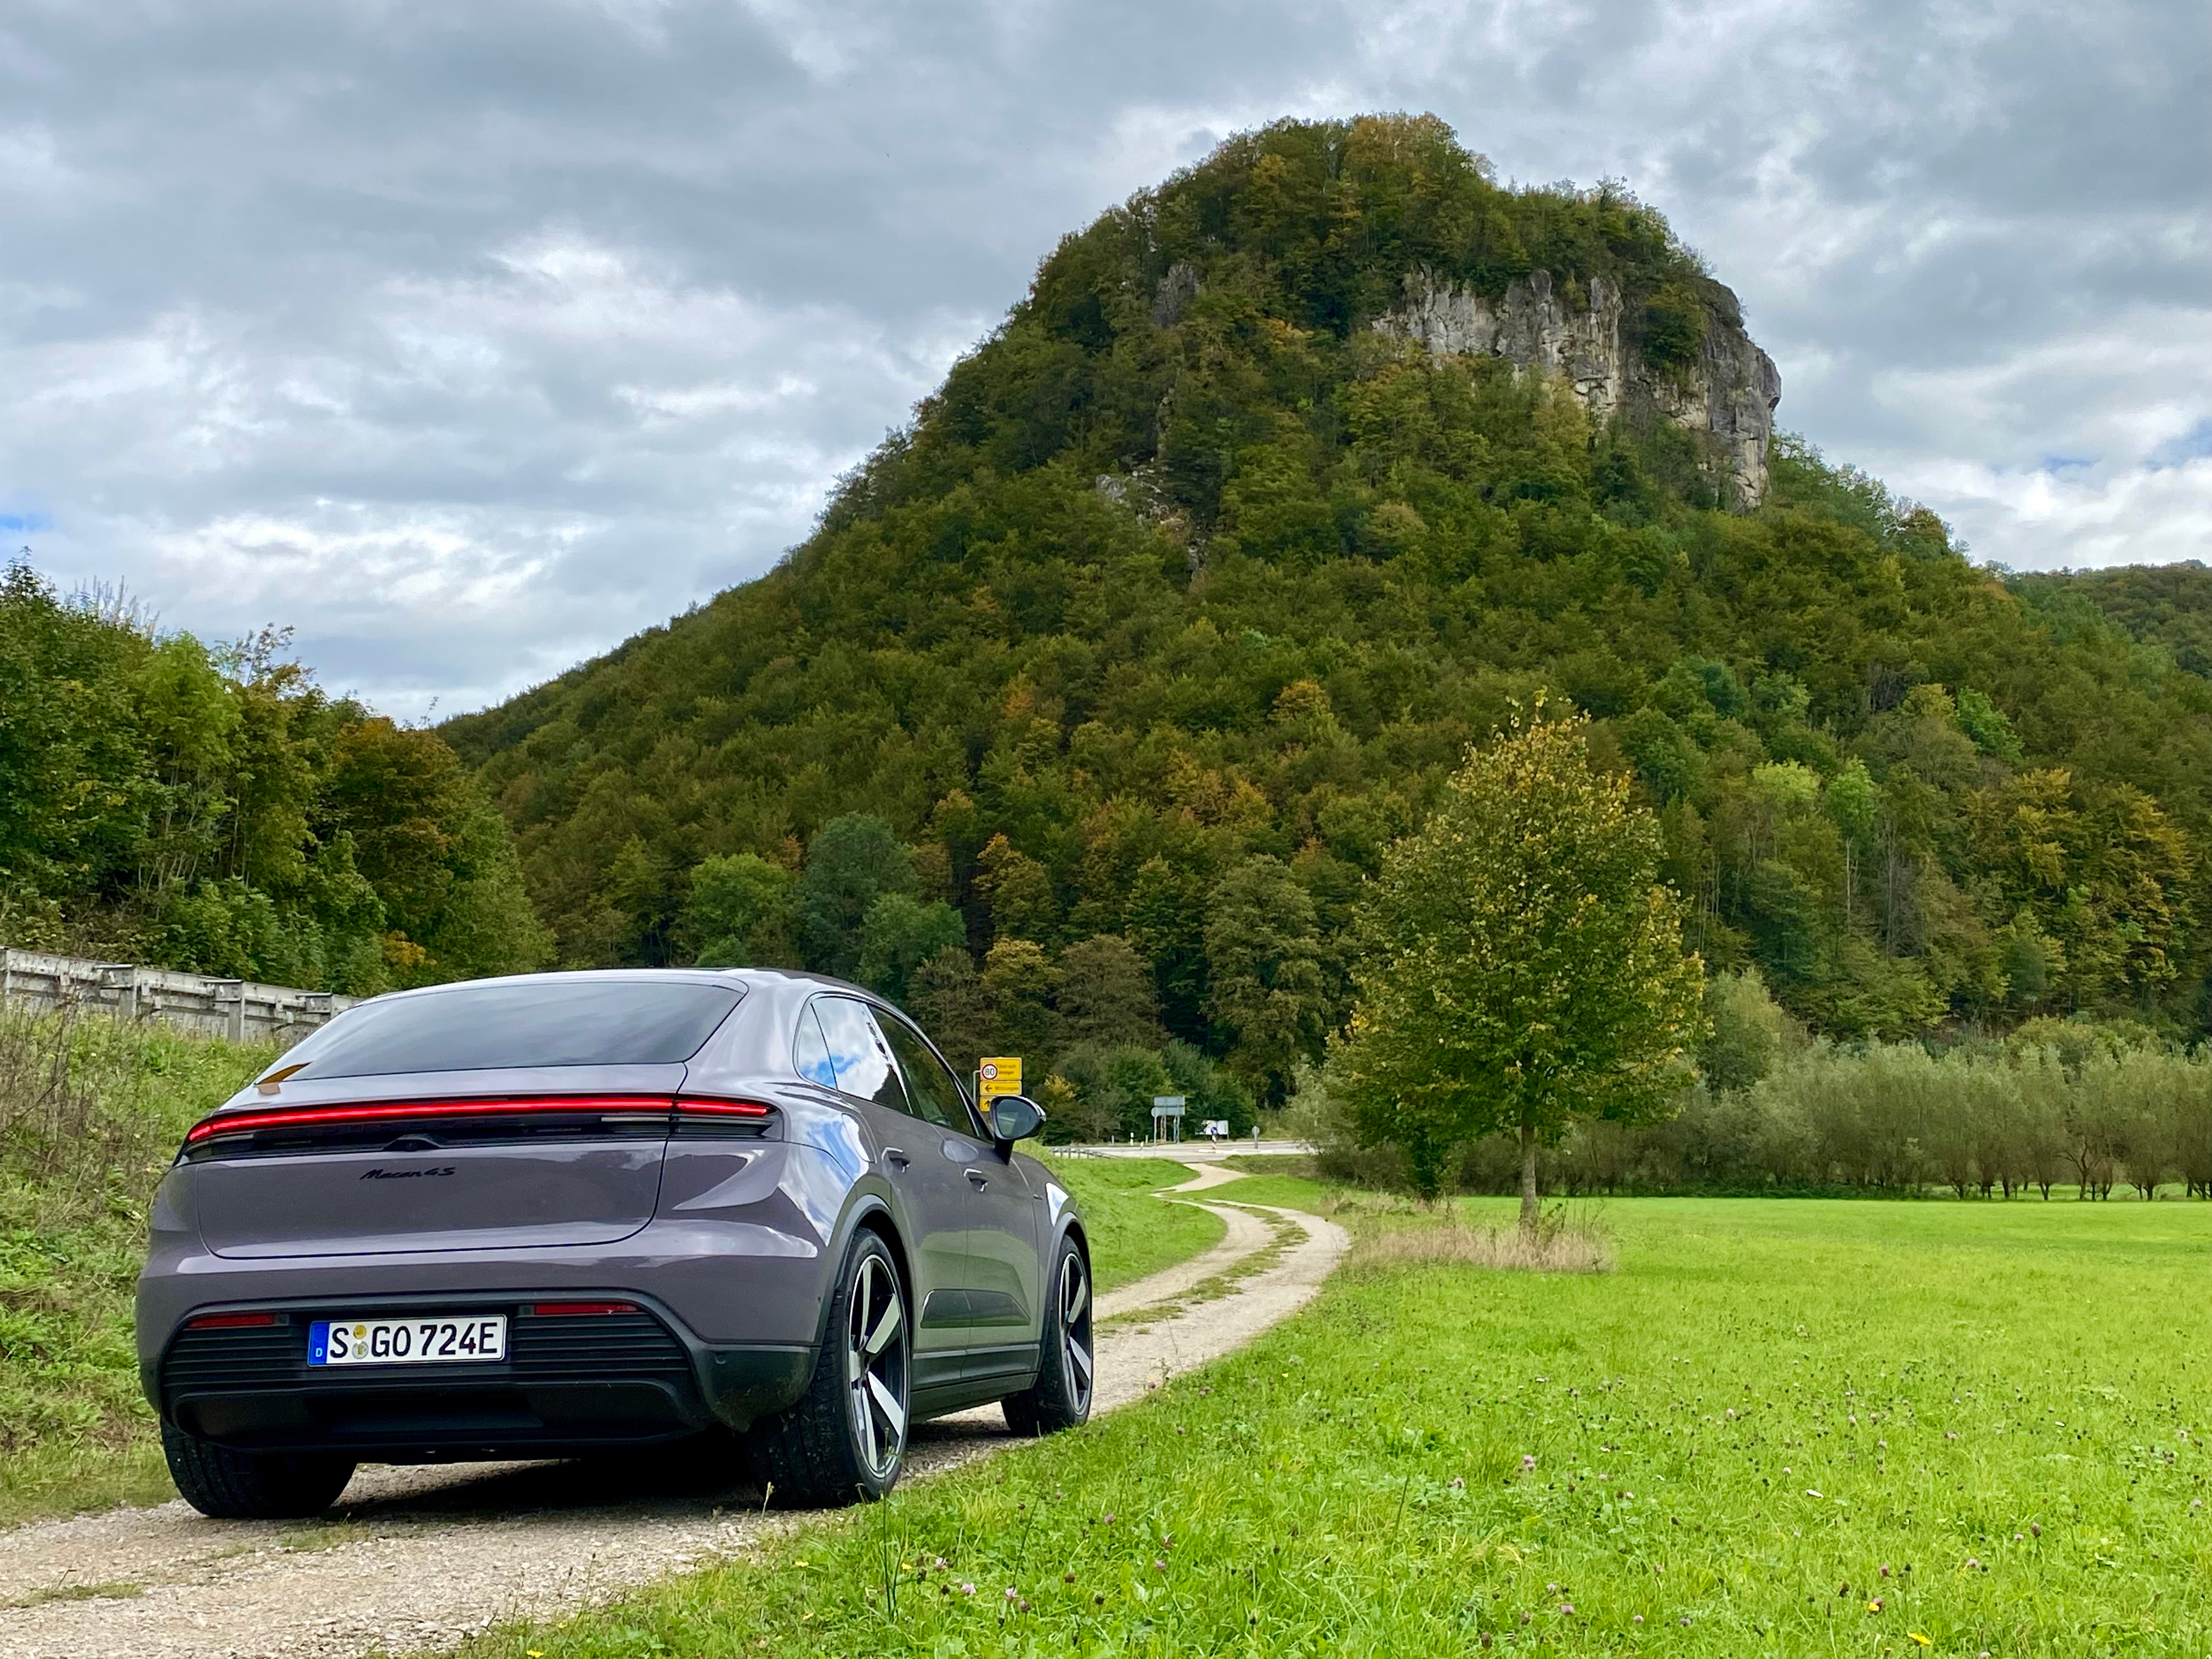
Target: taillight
[(578, 1309), (689, 1108), (229, 1322), (296, 1117), (722, 1119)]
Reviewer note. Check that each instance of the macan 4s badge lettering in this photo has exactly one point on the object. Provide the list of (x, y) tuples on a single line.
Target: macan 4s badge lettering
[(568, 1213)]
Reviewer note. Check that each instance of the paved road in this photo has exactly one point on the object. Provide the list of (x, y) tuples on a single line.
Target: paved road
[(418, 1558), (1196, 1151)]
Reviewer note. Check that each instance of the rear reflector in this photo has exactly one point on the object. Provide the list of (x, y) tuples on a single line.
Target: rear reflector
[(230, 1321), (240, 1123), (576, 1309)]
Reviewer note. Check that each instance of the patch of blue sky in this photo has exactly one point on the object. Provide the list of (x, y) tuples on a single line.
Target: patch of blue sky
[(2193, 445)]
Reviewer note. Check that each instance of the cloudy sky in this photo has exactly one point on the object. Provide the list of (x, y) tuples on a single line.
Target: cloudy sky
[(467, 339)]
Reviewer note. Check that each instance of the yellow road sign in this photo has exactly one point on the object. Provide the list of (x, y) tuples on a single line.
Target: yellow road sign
[(1001, 1076)]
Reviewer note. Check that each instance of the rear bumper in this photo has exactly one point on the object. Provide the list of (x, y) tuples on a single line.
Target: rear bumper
[(569, 1384), (726, 1283)]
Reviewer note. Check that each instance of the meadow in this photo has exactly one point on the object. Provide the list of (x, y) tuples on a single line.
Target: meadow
[(1780, 1426)]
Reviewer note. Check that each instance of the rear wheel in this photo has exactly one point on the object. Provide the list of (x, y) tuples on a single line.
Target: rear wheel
[(245, 1486), (1061, 1397), (846, 1438)]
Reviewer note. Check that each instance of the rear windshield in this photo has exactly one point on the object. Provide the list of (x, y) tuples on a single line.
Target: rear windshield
[(473, 1028)]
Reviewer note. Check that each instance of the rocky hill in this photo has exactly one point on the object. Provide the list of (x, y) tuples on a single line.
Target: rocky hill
[(1283, 482), (1724, 393)]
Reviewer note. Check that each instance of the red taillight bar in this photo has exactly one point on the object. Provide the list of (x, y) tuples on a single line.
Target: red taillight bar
[(575, 1309), (725, 1108), (232, 1123), (228, 1321)]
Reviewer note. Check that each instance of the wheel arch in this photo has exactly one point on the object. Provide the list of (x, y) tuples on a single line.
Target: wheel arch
[(1074, 1228), (869, 1214)]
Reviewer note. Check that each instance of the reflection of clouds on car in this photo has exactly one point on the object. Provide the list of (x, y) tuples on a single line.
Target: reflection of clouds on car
[(739, 1206)]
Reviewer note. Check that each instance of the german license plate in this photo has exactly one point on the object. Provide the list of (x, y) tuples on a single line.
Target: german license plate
[(420, 1341)]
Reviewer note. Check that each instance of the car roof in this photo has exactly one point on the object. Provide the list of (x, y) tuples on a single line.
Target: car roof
[(747, 976)]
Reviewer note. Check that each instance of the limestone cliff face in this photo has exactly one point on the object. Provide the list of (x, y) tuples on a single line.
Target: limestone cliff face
[(1727, 393)]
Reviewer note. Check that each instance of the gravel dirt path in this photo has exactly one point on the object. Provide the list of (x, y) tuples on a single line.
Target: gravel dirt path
[(416, 1558)]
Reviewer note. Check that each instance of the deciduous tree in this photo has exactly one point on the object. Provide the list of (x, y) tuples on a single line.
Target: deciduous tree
[(1521, 967), (851, 860), (899, 934), (739, 910), (1106, 993), (1266, 992)]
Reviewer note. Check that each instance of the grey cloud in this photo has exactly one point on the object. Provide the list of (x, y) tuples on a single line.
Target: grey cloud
[(470, 340)]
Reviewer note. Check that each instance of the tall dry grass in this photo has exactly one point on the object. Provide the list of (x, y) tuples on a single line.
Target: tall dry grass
[(74, 1134), (1387, 1233)]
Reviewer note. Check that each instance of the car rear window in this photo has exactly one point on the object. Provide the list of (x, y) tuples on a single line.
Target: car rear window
[(473, 1028)]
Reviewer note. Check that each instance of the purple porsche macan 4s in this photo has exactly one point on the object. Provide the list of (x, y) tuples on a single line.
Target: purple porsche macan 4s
[(568, 1213)]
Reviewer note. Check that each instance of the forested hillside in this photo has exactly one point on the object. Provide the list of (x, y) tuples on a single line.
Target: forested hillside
[(2167, 606), (215, 810), (1119, 665)]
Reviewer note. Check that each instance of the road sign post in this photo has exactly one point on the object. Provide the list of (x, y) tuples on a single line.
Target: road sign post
[(1167, 1109)]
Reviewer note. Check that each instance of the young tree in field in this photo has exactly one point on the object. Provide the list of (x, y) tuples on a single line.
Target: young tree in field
[(1521, 966)]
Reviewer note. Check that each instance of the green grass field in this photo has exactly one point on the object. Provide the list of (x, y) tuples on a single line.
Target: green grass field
[(1131, 1232), (1780, 1427)]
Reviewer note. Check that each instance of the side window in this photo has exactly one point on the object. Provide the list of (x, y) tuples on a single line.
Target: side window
[(809, 1054), (936, 1096), (857, 1053)]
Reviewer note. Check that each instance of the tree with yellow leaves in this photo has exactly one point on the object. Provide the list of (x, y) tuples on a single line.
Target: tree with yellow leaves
[(1521, 966)]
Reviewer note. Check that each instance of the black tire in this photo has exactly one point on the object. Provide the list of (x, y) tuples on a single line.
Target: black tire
[(229, 1484), (1060, 1398), (844, 1440)]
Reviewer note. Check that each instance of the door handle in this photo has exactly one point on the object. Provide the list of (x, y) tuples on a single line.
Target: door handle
[(896, 1158), (980, 1179)]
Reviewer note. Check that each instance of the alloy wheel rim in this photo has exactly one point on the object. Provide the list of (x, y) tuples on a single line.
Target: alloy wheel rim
[(1075, 1329), (876, 1367)]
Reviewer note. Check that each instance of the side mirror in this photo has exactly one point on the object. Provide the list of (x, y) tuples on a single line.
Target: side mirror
[(1012, 1117)]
